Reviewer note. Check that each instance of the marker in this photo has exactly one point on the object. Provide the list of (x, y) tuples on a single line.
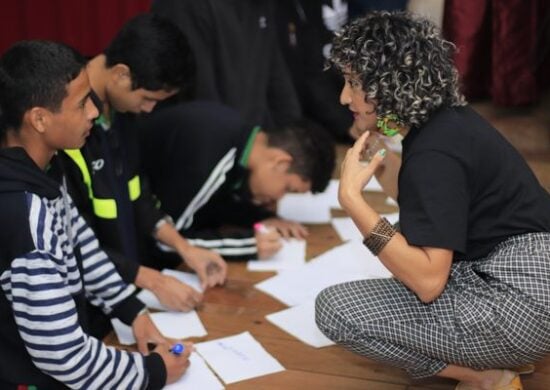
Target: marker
[(177, 349), (261, 228)]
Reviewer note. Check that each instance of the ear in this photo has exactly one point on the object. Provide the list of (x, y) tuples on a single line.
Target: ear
[(38, 118), (281, 160), (120, 74)]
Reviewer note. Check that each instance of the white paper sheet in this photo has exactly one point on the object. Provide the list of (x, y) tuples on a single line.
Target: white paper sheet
[(332, 193), (152, 302), (373, 186), (347, 230), (292, 255), (390, 202), (123, 332), (347, 262), (171, 324), (309, 208), (238, 357), (332, 190), (299, 321), (197, 377), (179, 325), (305, 208)]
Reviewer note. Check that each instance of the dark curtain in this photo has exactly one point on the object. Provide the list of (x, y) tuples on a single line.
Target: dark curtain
[(86, 25), (358, 8), (503, 48)]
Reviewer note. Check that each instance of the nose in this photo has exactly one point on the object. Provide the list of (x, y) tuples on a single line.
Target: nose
[(345, 95), (148, 106), (91, 109)]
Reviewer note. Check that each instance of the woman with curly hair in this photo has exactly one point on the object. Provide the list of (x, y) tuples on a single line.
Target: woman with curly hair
[(470, 297)]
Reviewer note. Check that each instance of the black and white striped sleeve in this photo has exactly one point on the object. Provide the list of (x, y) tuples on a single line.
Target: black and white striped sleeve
[(102, 282), (47, 320), (41, 286), (238, 245)]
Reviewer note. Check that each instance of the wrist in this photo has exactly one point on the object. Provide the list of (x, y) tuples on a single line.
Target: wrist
[(139, 315), (183, 248), (142, 311), (349, 198), (148, 278), (166, 220)]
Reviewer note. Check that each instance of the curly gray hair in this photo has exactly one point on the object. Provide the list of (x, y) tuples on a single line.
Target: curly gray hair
[(403, 63)]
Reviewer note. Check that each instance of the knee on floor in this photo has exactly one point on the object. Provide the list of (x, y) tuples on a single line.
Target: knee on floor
[(326, 313)]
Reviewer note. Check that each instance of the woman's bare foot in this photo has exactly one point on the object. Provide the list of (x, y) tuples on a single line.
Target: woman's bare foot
[(496, 379), (471, 379), (489, 380)]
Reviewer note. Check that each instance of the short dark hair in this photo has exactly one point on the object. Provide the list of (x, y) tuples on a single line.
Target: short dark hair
[(35, 73), (312, 150), (156, 51)]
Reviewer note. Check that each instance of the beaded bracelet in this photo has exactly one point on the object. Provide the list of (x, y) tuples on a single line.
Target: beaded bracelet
[(379, 236)]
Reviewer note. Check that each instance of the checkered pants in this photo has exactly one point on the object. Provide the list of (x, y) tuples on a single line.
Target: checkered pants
[(494, 312)]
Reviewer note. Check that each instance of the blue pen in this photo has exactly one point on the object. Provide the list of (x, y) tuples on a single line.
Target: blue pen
[(177, 349)]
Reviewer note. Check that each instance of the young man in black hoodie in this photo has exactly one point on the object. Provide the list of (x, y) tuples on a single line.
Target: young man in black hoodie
[(50, 261)]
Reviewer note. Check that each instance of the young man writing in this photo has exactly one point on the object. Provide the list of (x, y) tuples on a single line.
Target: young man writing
[(209, 170)]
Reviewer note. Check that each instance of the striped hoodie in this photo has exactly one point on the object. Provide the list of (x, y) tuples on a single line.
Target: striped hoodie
[(50, 264)]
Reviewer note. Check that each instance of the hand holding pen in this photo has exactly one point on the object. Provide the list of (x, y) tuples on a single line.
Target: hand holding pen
[(176, 359), (268, 240), (177, 349)]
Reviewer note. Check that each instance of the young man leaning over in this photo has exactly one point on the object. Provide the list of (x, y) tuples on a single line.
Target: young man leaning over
[(147, 61), (209, 170)]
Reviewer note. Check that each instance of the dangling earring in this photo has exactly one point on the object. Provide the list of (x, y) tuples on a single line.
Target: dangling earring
[(389, 125)]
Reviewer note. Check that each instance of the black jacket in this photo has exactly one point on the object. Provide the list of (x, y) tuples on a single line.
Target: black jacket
[(111, 157), (239, 61), (193, 155), (305, 35)]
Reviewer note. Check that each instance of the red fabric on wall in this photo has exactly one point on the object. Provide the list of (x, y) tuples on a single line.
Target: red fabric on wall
[(86, 25), (502, 47), (468, 27)]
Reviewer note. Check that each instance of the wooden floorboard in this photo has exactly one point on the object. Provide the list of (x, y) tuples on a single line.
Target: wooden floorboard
[(239, 307), (300, 380)]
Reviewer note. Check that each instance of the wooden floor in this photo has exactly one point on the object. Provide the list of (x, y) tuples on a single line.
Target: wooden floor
[(239, 307)]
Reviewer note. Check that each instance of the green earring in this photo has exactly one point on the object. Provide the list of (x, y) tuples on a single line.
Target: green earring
[(388, 125)]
